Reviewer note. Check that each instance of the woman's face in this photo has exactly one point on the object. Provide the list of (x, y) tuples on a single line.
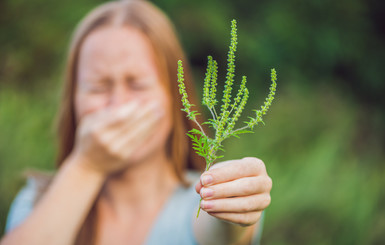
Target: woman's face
[(117, 66)]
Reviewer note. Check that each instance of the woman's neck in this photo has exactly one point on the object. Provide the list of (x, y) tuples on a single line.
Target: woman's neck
[(142, 186)]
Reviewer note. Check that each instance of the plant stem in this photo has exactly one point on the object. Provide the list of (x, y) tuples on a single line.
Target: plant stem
[(200, 127), (245, 127), (208, 164), (215, 112), (199, 209), (212, 114)]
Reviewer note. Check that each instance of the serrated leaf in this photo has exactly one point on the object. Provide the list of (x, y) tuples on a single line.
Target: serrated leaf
[(195, 131), (191, 136), (201, 154), (244, 131)]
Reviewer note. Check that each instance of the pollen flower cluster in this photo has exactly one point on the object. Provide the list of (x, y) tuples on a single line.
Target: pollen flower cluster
[(225, 120)]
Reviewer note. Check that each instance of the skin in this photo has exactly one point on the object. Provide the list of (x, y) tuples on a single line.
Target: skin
[(236, 191), (124, 118)]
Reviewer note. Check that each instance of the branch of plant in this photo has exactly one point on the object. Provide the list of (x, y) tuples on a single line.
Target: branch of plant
[(225, 122)]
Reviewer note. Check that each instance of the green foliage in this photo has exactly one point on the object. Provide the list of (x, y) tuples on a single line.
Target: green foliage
[(266, 105), (224, 124), (333, 190), (203, 145), (182, 90), (324, 149)]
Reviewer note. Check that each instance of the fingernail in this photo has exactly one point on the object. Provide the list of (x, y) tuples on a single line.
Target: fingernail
[(206, 192), (206, 179), (206, 205)]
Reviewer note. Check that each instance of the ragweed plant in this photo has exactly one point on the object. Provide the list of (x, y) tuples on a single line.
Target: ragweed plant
[(223, 121)]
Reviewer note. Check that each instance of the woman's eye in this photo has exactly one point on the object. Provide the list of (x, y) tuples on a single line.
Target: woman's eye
[(137, 84), (101, 86), (98, 88)]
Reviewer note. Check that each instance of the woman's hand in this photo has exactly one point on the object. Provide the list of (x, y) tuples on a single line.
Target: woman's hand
[(236, 191), (106, 141)]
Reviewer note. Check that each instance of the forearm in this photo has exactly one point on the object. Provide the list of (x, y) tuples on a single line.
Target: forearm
[(58, 216), (212, 231)]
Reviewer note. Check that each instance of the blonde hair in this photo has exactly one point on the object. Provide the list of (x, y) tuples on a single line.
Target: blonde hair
[(151, 21)]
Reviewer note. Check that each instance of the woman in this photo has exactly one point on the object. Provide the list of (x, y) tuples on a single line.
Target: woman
[(123, 152)]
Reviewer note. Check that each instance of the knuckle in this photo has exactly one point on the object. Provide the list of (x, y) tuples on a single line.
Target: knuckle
[(268, 183), (266, 201), (236, 219), (220, 191), (250, 158), (245, 221), (251, 186), (248, 219), (255, 184), (248, 189), (257, 216), (252, 219), (105, 144), (261, 166), (245, 208), (113, 151), (256, 164), (248, 205)]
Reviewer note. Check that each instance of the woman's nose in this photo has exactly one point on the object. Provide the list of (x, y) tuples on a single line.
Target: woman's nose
[(119, 96)]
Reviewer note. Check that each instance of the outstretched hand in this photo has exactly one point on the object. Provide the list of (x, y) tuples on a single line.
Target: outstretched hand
[(236, 191)]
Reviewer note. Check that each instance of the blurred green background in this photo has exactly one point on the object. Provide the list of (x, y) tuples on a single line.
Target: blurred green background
[(324, 139)]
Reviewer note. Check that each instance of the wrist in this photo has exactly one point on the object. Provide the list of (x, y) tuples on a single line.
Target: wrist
[(83, 166)]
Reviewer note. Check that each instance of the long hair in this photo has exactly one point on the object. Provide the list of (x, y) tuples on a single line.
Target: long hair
[(148, 19)]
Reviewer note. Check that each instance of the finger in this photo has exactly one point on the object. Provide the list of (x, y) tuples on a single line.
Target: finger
[(127, 118), (137, 134), (107, 115), (104, 119), (231, 170), (239, 187), (198, 187), (237, 204), (128, 113), (115, 116), (244, 219)]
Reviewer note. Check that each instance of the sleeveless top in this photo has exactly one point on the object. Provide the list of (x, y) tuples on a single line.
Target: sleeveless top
[(173, 226)]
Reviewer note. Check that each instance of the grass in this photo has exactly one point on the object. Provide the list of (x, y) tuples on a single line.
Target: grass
[(26, 139), (326, 190)]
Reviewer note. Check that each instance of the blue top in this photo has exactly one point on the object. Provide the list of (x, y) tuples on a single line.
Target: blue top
[(173, 225)]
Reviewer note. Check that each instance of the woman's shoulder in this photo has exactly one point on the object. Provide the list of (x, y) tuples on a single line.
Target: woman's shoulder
[(186, 194), (177, 216), (192, 176), (36, 184)]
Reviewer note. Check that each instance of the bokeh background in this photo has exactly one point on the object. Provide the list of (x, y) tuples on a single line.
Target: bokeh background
[(324, 138)]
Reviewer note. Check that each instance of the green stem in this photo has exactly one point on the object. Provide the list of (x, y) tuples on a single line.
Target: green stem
[(199, 209), (208, 164), (200, 127)]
